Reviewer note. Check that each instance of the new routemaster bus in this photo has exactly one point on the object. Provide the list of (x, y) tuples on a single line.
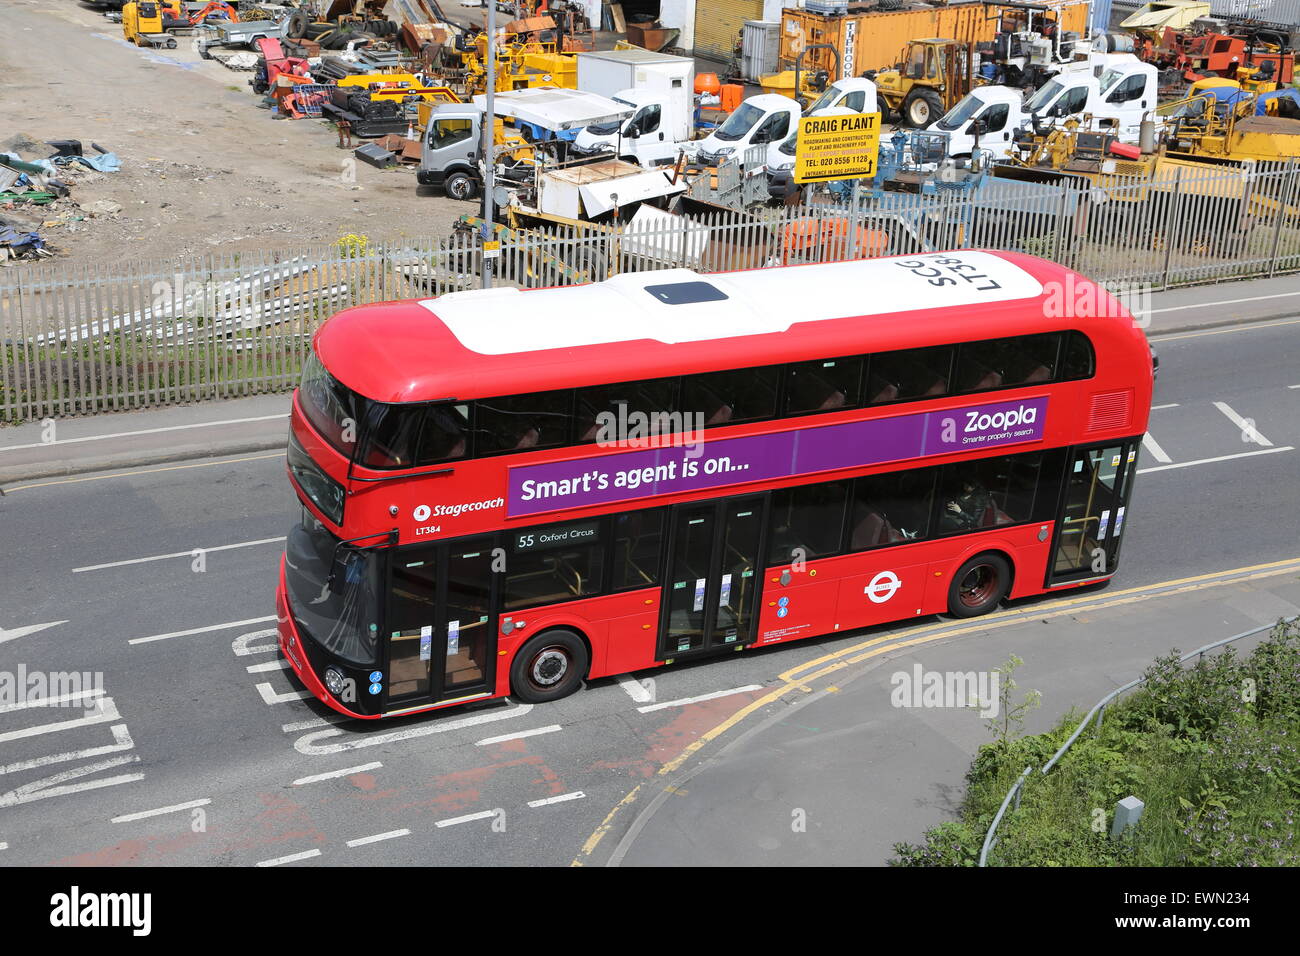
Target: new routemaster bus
[(508, 492)]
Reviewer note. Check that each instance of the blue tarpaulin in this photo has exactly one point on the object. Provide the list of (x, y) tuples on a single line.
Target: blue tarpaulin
[(20, 242), (1261, 104), (104, 163)]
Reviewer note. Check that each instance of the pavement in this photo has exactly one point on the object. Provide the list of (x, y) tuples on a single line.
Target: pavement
[(194, 746), (154, 436)]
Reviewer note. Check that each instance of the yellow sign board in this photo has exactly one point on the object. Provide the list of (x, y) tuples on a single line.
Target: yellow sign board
[(837, 147)]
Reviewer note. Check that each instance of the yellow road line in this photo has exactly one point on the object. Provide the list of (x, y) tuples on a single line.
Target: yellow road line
[(147, 471), (837, 661)]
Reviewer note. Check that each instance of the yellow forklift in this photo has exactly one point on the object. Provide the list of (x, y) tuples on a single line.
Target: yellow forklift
[(933, 75)]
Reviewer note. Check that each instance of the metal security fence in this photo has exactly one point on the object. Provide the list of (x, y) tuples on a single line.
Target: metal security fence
[(77, 338)]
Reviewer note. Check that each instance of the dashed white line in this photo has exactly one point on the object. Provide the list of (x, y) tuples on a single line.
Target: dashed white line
[(390, 835), (1156, 408), (105, 712), (469, 817), (1153, 448), (307, 725), (703, 697), (129, 817), (4, 846), (1248, 430), (283, 665), (178, 554), (1210, 461), (291, 858), (143, 431), (562, 798), (1206, 305), (270, 696), (635, 689), (1293, 386), (17, 632), (330, 775), (199, 630), (552, 728)]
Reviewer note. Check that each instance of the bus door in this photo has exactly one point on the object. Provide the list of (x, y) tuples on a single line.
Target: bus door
[(441, 624), (1097, 484), (712, 578)]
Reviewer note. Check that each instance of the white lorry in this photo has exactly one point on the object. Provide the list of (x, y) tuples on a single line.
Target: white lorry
[(1124, 95), (760, 120), (660, 91)]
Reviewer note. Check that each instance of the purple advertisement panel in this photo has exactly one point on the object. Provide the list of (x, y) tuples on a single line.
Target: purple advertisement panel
[(709, 464)]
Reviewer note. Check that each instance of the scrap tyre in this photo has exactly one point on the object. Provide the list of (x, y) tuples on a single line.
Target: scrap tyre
[(921, 108), (548, 667), (299, 21), (979, 586), (460, 186)]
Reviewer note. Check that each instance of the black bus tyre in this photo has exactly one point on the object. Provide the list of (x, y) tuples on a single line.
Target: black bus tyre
[(979, 585), (549, 667), (460, 185)]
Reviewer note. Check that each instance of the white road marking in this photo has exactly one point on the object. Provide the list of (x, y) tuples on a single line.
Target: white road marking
[(241, 644), (291, 858), (105, 712), (330, 775), (270, 696), (178, 554), (283, 665), (200, 630), (121, 741), (1248, 430), (307, 744), (1153, 448), (143, 431), (131, 817), (1210, 461), (4, 846), (52, 701), (466, 819), (307, 725), (635, 689), (390, 835), (1293, 386), (18, 632), (46, 788), (552, 728), (703, 697), (1156, 408), (1206, 305), (562, 798)]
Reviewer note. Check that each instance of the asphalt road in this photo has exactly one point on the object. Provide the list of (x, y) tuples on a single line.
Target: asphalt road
[(201, 720)]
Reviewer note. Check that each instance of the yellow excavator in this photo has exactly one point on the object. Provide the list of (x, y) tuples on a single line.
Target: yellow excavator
[(142, 24)]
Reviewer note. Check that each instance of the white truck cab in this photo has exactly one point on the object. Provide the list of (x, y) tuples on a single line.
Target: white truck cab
[(759, 120), (1128, 94), (856, 94), (996, 110), (649, 137)]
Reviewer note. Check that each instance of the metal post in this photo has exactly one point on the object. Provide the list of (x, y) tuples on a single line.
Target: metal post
[(1169, 228), (853, 222), (489, 139), (1288, 192)]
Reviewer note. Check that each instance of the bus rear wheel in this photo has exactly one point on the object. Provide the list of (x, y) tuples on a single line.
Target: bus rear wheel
[(548, 667), (979, 586)]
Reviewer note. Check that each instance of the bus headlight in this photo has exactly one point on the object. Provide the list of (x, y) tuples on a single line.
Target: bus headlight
[(334, 682)]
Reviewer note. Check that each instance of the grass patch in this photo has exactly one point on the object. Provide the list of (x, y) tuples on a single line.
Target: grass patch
[(1213, 750)]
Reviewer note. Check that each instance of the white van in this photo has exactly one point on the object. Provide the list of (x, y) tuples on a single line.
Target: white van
[(763, 119)]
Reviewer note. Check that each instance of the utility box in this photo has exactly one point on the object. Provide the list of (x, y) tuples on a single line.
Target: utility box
[(760, 46)]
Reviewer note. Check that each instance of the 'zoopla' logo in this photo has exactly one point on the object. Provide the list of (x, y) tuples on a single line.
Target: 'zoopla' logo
[(1000, 421)]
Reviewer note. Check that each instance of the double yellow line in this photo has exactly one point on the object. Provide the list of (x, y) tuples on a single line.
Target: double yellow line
[(800, 677)]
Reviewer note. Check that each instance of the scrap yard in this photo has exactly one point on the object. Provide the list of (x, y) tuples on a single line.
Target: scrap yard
[(375, 371)]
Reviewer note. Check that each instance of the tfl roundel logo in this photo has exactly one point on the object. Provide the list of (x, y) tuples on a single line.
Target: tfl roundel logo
[(422, 513), (882, 587)]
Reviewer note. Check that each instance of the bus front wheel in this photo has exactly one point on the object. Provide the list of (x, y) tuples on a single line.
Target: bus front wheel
[(979, 586), (548, 667)]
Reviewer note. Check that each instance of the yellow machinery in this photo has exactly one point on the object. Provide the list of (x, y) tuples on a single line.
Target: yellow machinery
[(142, 24), (1201, 127), (933, 75)]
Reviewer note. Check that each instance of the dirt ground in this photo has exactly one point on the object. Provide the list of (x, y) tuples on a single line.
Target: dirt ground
[(204, 169)]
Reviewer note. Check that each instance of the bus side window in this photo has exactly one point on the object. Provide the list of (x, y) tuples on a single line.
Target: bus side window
[(638, 543), (890, 508), (737, 395), (823, 385), (807, 522), (987, 493), (445, 433), (602, 406), (994, 363), (554, 563), (1079, 361), (914, 373), (521, 422)]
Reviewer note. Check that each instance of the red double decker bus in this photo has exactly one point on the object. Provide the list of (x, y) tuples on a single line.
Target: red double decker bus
[(508, 492)]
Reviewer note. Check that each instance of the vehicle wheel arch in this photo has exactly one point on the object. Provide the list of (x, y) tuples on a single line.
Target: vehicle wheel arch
[(995, 548)]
